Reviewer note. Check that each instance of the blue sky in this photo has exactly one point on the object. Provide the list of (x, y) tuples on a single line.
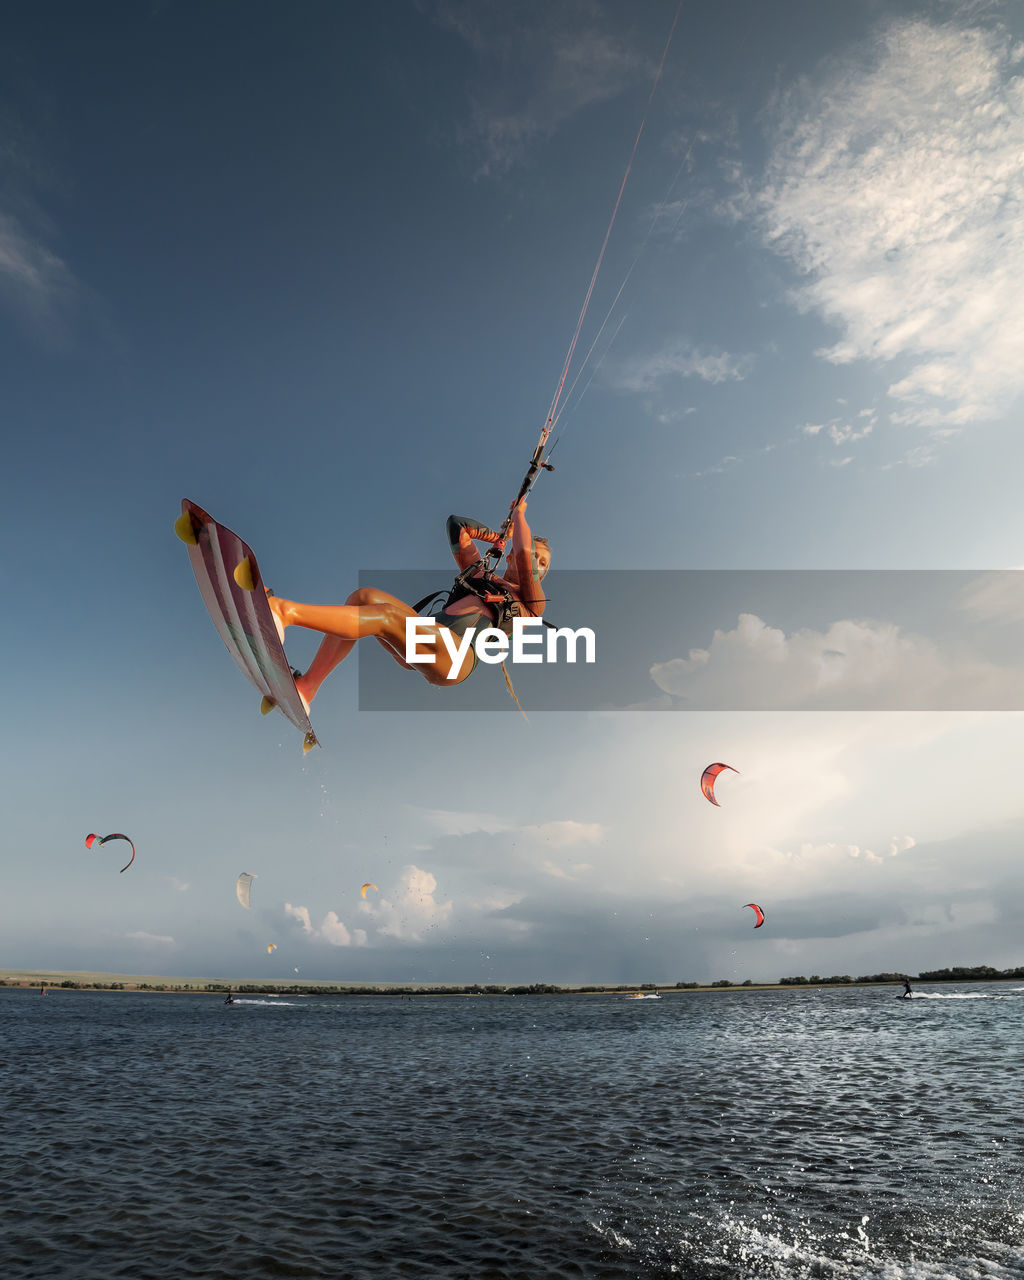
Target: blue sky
[(317, 269)]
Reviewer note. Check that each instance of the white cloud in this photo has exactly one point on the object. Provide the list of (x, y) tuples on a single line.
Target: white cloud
[(338, 935), (831, 853), (847, 434), (151, 939), (412, 907), (681, 359), (331, 930), (996, 597), (301, 914), (733, 460), (175, 883), (572, 871), (565, 832), (33, 281), (498, 900), (452, 822), (895, 183), (854, 664)]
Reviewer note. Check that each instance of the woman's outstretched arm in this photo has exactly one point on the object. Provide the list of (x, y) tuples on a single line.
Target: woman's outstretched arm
[(461, 533), (531, 593)]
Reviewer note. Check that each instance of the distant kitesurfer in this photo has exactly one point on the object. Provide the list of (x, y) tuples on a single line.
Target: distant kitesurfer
[(907, 989), (479, 599), (230, 999)]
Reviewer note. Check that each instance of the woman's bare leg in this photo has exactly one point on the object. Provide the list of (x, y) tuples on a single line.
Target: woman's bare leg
[(333, 649), (366, 612)]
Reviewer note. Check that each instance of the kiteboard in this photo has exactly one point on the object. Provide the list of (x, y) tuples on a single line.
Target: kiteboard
[(234, 594)]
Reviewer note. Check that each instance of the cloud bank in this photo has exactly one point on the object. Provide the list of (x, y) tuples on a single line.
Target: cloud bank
[(856, 664), (895, 186)]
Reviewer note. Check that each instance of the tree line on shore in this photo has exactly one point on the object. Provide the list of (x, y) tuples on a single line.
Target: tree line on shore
[(959, 973)]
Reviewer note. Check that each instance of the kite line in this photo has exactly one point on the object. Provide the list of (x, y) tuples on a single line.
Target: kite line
[(537, 461)]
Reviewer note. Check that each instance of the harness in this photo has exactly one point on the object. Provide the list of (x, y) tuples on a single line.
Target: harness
[(479, 582), (486, 588)]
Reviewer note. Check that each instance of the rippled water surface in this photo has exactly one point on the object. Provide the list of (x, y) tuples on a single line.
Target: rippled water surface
[(834, 1133)]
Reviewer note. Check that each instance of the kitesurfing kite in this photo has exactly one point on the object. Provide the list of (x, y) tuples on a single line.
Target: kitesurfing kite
[(92, 839), (362, 891), (757, 912), (243, 889), (271, 946), (707, 780)]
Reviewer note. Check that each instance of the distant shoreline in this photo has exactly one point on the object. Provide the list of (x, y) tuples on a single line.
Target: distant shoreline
[(79, 980)]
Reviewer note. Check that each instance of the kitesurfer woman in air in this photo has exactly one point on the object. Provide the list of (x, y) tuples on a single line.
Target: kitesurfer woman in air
[(479, 600)]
